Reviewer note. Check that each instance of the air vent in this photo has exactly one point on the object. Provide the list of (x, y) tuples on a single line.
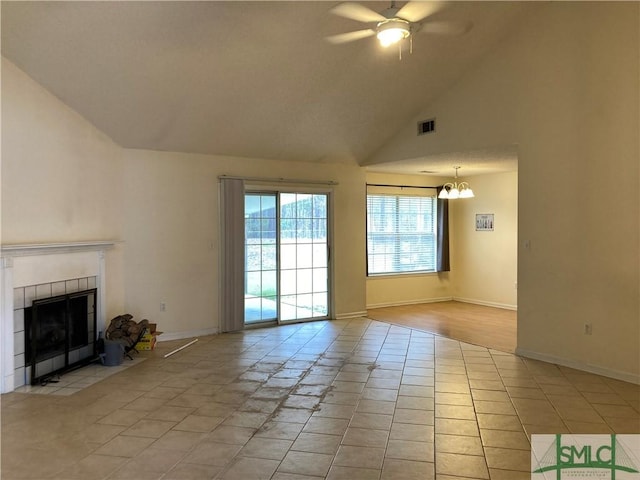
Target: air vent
[(427, 126)]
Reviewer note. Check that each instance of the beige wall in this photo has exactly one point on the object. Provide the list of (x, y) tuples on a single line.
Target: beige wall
[(172, 233), (484, 264), (65, 181), (61, 177), (564, 88)]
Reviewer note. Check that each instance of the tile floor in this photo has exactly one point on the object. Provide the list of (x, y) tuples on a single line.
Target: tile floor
[(356, 399), (79, 379)]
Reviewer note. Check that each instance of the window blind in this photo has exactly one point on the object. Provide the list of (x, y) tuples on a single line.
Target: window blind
[(401, 233)]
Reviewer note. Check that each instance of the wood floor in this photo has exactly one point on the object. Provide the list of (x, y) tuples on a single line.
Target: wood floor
[(486, 326)]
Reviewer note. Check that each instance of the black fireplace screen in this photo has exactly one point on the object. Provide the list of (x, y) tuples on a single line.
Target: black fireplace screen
[(60, 333)]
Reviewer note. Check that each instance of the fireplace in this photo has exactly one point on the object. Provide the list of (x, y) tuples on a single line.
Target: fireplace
[(60, 334), (36, 272)]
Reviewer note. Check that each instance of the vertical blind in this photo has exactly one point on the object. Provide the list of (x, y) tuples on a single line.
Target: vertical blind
[(401, 233), (232, 254)]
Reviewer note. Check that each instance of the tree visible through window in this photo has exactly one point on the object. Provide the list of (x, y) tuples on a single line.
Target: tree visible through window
[(401, 234)]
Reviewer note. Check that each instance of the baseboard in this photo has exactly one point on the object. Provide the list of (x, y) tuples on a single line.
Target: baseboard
[(485, 304), (166, 337), (343, 316), (567, 362), (410, 302)]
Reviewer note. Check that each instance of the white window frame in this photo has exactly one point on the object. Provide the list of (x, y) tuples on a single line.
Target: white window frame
[(400, 261)]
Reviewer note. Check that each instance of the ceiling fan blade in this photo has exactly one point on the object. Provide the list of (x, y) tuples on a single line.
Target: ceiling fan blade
[(350, 36), (416, 11), (357, 12), (446, 28)]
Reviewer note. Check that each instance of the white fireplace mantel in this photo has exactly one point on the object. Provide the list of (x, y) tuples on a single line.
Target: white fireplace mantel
[(25, 249), (32, 264)]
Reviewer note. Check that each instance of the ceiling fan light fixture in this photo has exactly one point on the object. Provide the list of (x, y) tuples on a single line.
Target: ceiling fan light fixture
[(392, 31)]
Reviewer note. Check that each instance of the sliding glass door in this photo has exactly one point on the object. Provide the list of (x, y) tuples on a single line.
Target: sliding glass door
[(303, 256), (286, 259), (261, 259)]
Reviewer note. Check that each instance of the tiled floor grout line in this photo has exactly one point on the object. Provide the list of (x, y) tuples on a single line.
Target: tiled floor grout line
[(555, 408), (393, 416), (343, 436), (370, 368), (292, 390), (314, 409), (435, 403), (475, 412), (225, 365), (540, 386)]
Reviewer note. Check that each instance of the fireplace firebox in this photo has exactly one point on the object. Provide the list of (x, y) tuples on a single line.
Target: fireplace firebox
[(60, 334)]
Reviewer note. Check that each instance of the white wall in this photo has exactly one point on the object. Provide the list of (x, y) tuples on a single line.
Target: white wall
[(172, 233), (484, 263), (61, 177), (564, 88)]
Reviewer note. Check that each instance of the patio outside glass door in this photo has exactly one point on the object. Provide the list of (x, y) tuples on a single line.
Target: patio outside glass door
[(287, 251)]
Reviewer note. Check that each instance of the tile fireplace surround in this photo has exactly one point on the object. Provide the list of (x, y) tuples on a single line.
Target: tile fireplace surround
[(35, 271)]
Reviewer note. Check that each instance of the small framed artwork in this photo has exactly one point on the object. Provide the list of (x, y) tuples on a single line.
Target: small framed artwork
[(484, 222)]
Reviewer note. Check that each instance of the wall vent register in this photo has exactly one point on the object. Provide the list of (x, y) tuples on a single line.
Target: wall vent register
[(426, 126)]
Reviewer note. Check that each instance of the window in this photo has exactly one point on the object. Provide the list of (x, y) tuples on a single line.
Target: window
[(401, 233)]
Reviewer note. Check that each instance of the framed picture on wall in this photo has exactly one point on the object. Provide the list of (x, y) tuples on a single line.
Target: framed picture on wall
[(484, 222)]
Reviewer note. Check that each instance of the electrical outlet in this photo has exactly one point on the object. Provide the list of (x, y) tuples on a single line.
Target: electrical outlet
[(163, 307), (588, 329)]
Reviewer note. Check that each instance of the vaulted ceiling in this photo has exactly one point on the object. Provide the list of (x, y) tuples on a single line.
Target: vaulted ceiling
[(248, 79)]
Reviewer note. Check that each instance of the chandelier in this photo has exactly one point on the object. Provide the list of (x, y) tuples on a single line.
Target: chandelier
[(451, 191)]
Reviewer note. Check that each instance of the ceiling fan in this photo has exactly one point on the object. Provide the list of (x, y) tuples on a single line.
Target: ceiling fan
[(395, 24)]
